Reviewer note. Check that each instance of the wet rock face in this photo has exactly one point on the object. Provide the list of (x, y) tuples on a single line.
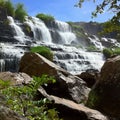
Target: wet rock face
[(105, 94), (66, 86)]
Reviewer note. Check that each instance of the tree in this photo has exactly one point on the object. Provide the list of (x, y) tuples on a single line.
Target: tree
[(109, 5), (112, 25), (8, 6), (20, 12)]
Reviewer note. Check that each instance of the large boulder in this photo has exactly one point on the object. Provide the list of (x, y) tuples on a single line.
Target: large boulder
[(15, 78), (7, 114), (69, 110), (105, 95), (89, 76), (66, 86)]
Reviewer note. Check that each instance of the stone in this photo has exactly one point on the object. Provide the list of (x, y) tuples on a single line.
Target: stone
[(90, 77), (69, 110), (15, 78), (3, 14), (7, 114), (66, 86), (105, 95)]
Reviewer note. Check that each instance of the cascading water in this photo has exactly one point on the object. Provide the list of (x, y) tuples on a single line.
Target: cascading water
[(65, 32), (77, 60), (39, 29), (70, 58), (19, 34)]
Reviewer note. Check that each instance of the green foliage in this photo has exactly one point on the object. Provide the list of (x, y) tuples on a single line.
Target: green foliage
[(107, 52), (77, 29), (93, 99), (106, 5), (8, 6), (20, 12), (27, 28), (111, 27), (21, 99), (17, 11), (44, 51), (45, 17), (92, 48), (4, 84)]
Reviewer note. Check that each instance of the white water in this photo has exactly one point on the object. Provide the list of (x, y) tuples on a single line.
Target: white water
[(39, 29), (72, 59), (19, 34), (76, 60), (2, 65), (96, 42), (65, 32)]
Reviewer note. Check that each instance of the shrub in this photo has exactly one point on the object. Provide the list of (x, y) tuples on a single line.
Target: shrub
[(45, 17), (44, 51), (107, 52), (21, 99), (8, 6), (110, 52), (20, 12), (116, 51)]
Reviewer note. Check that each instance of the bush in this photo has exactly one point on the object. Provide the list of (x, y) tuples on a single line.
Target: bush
[(45, 17), (20, 12), (17, 11), (110, 52), (107, 52), (116, 51), (21, 99), (44, 51), (8, 6)]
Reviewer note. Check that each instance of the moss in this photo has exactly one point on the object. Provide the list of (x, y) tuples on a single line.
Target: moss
[(92, 48), (44, 51), (27, 28), (45, 17), (93, 100)]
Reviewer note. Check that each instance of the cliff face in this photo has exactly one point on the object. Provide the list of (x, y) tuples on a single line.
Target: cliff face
[(93, 28)]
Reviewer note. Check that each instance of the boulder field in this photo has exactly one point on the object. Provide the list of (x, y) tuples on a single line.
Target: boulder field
[(70, 93)]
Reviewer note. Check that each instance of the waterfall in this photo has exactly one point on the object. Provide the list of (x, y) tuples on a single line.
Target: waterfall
[(19, 34), (65, 32), (39, 29), (2, 65), (77, 60), (58, 36)]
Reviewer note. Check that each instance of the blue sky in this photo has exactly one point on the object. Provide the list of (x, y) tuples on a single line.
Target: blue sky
[(64, 10)]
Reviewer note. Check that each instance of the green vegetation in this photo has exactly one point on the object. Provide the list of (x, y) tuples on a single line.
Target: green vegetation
[(45, 17), (17, 11), (108, 52), (107, 5), (44, 51), (93, 100), (20, 12), (92, 48), (10, 8), (23, 99), (77, 29), (111, 27)]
